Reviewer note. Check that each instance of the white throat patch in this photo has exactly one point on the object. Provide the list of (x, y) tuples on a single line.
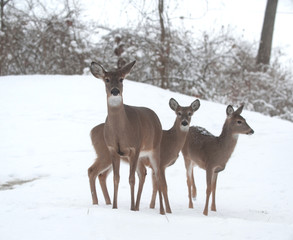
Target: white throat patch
[(184, 128), (114, 101)]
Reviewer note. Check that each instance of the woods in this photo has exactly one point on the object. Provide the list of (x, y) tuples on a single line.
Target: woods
[(216, 65)]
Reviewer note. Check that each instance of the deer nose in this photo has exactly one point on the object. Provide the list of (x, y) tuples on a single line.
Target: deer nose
[(184, 123), (115, 91), (251, 132)]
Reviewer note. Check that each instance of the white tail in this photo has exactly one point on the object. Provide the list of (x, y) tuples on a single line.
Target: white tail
[(212, 153), (172, 143), (128, 130)]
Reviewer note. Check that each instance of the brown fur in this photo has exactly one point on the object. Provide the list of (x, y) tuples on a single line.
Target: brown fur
[(212, 153), (128, 131)]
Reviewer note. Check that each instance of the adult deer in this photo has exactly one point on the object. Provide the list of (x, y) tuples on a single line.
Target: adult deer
[(212, 153), (171, 144), (129, 132)]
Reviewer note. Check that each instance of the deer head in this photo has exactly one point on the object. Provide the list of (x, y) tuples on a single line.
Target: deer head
[(184, 113), (237, 124), (113, 81)]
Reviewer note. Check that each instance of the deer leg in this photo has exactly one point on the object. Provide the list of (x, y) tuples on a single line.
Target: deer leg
[(116, 177), (209, 175), (154, 159), (133, 166), (189, 184), (141, 171), (214, 186), (92, 174), (165, 191), (102, 179), (155, 189), (189, 176), (194, 192)]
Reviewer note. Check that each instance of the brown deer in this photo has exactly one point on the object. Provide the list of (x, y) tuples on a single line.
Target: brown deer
[(171, 144), (212, 153), (129, 132)]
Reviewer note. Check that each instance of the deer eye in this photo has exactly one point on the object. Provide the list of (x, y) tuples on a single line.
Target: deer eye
[(180, 113), (239, 122), (121, 80), (189, 114), (107, 80)]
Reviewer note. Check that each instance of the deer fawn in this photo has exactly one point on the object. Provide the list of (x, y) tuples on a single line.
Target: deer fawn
[(212, 153), (129, 132), (172, 143)]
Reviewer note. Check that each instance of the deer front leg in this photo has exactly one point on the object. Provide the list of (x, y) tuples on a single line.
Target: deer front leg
[(209, 175), (189, 176), (133, 165), (155, 189), (116, 168), (214, 186)]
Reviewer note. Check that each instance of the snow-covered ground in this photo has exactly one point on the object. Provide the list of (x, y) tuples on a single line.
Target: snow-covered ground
[(45, 151)]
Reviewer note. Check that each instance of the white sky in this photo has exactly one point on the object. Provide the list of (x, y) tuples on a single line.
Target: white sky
[(245, 17)]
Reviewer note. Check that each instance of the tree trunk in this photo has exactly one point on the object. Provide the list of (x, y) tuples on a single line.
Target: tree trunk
[(163, 60), (265, 45)]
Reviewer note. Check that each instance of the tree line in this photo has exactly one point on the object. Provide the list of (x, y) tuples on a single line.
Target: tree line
[(216, 66)]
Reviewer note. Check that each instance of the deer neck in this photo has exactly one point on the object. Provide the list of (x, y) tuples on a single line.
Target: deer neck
[(227, 141), (178, 135), (116, 112)]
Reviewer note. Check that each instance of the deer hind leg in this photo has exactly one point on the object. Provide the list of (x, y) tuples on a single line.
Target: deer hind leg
[(193, 187), (155, 166), (165, 191), (190, 180), (214, 186), (155, 189), (209, 176), (92, 174), (102, 179), (141, 171)]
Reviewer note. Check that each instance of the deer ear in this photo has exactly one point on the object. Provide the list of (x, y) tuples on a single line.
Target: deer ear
[(173, 104), (229, 111), (239, 110), (125, 70), (195, 105), (97, 70)]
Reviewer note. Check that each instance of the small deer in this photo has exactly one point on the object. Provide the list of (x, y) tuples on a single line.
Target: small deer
[(129, 132), (212, 153), (172, 143)]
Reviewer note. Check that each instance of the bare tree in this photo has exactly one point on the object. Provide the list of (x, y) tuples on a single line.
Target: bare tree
[(2, 34), (265, 45)]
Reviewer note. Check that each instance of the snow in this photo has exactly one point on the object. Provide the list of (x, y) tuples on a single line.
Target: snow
[(45, 147)]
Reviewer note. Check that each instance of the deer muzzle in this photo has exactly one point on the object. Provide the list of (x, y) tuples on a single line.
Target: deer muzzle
[(250, 132), (184, 123), (115, 91)]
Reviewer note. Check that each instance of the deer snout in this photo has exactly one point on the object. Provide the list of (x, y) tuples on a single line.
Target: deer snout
[(115, 91), (250, 132), (184, 123)]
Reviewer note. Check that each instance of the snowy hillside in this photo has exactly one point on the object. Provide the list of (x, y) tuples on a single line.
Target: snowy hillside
[(45, 151)]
